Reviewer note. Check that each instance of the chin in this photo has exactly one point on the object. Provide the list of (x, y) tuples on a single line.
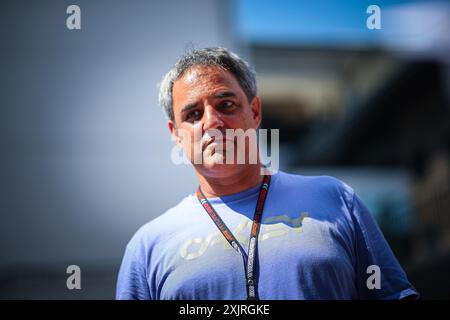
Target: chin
[(213, 168)]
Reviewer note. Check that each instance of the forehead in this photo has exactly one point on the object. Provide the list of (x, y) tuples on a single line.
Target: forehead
[(201, 81)]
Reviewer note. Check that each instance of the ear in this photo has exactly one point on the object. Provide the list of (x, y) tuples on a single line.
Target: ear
[(256, 111), (173, 131)]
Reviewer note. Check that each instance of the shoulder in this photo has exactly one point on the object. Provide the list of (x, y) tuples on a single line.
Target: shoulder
[(162, 228), (323, 185)]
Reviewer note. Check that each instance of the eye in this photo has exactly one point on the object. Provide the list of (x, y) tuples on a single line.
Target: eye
[(226, 105), (193, 115)]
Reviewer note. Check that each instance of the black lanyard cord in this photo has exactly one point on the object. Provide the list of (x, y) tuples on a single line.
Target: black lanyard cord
[(250, 260)]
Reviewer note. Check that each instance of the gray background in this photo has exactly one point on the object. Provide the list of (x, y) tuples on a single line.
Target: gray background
[(85, 150)]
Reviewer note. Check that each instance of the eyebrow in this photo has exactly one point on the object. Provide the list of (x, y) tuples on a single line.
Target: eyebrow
[(220, 95), (188, 107), (225, 94)]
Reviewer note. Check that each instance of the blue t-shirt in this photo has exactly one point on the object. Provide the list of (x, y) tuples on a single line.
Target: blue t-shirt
[(317, 241)]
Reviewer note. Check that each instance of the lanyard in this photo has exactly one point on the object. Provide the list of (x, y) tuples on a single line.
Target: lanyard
[(250, 261)]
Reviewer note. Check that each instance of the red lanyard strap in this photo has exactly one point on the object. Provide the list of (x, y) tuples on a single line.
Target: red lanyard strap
[(250, 261)]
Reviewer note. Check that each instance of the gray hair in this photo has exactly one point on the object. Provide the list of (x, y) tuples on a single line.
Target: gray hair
[(217, 56)]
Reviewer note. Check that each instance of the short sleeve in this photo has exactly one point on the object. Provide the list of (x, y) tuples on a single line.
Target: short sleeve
[(373, 254), (132, 280)]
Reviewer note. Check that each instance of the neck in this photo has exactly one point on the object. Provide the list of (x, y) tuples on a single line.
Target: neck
[(235, 183)]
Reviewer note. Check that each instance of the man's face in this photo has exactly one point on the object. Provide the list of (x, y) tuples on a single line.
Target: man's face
[(208, 98)]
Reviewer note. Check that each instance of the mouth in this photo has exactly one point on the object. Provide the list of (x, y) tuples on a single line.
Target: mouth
[(206, 143), (213, 140)]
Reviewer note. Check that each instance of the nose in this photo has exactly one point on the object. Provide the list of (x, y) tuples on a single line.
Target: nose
[(212, 118)]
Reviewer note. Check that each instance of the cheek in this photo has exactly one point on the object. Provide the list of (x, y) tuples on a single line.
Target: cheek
[(184, 136), (190, 136), (245, 119)]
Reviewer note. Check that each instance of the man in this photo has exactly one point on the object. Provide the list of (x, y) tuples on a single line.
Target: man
[(247, 234)]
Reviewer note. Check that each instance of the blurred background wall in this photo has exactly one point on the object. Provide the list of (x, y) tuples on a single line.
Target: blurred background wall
[(85, 150)]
